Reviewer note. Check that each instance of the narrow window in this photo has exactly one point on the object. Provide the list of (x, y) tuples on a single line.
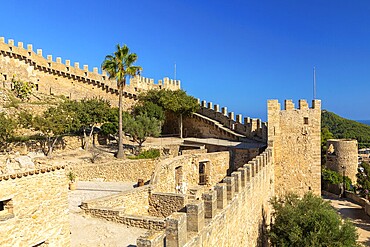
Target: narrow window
[(5, 77), (67, 68), (203, 172), (178, 178), (37, 87), (6, 209), (85, 73), (49, 64), (305, 120)]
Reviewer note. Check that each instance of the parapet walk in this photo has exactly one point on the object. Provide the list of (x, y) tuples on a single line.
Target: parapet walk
[(194, 227), (254, 129)]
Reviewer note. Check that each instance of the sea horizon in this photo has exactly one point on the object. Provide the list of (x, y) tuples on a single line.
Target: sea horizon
[(364, 121)]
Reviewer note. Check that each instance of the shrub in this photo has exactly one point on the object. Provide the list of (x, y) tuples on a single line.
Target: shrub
[(148, 154)]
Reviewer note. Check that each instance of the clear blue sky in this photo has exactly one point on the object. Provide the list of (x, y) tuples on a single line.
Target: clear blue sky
[(234, 53)]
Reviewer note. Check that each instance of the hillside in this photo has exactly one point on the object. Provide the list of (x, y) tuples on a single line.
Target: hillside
[(345, 128)]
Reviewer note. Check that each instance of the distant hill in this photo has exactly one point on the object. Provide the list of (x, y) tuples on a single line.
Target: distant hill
[(345, 128)]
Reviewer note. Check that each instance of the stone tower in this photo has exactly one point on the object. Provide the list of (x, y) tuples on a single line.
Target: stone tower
[(295, 136), (342, 157)]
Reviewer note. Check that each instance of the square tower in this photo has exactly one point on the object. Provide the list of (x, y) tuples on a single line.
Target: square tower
[(295, 136)]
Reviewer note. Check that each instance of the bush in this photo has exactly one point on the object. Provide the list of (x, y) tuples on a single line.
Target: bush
[(148, 154), (309, 221), (333, 177)]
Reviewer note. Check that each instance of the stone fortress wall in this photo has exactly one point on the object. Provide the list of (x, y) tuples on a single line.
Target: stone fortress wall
[(233, 213), (342, 157), (34, 208), (295, 136), (55, 77), (252, 128)]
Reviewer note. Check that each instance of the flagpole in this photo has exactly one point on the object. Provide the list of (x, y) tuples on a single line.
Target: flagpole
[(314, 82)]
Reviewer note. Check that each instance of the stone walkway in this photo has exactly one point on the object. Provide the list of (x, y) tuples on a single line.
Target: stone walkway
[(88, 231), (356, 214)]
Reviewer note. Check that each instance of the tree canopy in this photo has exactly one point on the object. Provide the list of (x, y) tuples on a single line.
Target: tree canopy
[(309, 221), (119, 66)]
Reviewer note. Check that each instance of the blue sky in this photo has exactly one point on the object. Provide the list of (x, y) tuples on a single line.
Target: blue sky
[(234, 53)]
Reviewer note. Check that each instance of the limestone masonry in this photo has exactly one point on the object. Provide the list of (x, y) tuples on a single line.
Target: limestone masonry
[(213, 189), (342, 157)]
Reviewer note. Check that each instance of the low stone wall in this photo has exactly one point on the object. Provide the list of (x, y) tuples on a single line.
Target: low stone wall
[(132, 202), (194, 151), (116, 171), (35, 208), (357, 199), (119, 216), (234, 213), (164, 204)]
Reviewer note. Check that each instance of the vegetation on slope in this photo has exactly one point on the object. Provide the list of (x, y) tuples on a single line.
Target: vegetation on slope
[(344, 128)]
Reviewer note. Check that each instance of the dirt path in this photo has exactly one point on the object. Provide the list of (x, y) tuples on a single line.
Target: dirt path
[(356, 214), (91, 232)]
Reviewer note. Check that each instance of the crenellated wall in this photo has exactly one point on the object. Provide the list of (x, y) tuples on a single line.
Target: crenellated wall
[(34, 208), (58, 78), (295, 136), (233, 213), (253, 129)]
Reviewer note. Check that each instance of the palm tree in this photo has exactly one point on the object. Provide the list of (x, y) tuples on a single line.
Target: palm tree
[(119, 66)]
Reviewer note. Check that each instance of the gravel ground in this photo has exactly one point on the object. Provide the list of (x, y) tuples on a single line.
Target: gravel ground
[(356, 214), (88, 231)]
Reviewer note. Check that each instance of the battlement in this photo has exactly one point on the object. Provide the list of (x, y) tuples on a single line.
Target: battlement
[(30, 172), (274, 105), (235, 203), (252, 128), (142, 83), (74, 71)]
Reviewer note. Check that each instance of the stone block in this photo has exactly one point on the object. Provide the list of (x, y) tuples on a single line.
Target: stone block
[(86, 67), (77, 65), (221, 195), (239, 118), (59, 60), (195, 215), (288, 104), (11, 42), (210, 106), (230, 185), (302, 104), (176, 230), (204, 103), (29, 47), (231, 115), (224, 110), (39, 52), (151, 239), (243, 178), (210, 204), (237, 177), (20, 44), (249, 172), (216, 108), (49, 57)]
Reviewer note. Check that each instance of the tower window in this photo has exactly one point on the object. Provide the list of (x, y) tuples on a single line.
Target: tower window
[(305, 120)]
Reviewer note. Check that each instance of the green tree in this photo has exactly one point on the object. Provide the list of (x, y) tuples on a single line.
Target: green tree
[(177, 102), (149, 109), (22, 89), (88, 113), (119, 66), (7, 127), (53, 124), (309, 221), (141, 127)]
